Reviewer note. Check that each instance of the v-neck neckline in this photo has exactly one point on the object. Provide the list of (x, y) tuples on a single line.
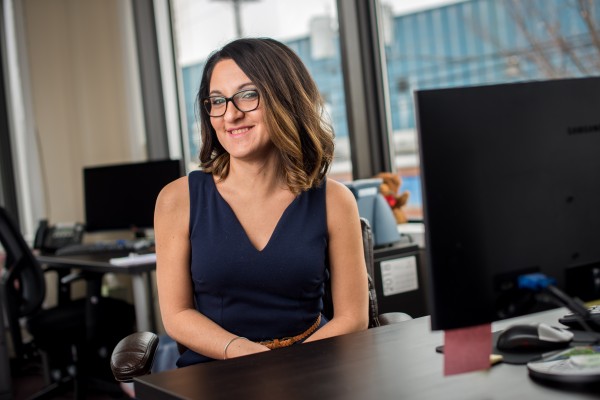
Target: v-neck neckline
[(240, 226)]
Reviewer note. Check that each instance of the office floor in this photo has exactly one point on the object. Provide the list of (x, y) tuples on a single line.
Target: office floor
[(28, 380)]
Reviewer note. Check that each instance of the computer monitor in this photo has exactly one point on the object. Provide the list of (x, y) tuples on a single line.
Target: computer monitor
[(511, 183), (373, 207), (122, 196)]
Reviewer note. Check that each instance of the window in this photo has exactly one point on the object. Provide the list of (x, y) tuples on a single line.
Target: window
[(445, 43), (309, 27)]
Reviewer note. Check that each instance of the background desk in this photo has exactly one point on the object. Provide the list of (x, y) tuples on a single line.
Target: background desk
[(141, 280), (391, 362)]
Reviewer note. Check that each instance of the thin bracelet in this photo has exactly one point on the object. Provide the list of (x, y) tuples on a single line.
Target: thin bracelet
[(228, 343)]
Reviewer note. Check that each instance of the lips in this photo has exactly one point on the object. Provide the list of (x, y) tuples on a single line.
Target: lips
[(238, 131)]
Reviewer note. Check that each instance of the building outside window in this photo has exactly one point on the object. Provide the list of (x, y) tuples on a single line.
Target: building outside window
[(437, 44), (427, 44)]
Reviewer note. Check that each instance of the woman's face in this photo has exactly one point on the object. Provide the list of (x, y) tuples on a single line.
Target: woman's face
[(244, 135)]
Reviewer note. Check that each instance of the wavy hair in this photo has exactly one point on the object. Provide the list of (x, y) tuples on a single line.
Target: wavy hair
[(293, 109)]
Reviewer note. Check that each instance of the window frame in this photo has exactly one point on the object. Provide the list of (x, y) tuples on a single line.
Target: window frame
[(367, 105)]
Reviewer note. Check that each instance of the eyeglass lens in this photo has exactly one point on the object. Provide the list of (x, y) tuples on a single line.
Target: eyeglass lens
[(245, 100)]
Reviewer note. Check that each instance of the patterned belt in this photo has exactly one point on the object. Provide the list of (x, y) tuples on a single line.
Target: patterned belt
[(288, 341)]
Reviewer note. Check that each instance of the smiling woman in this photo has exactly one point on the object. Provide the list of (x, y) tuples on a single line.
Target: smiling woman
[(260, 229), (240, 130), (290, 96)]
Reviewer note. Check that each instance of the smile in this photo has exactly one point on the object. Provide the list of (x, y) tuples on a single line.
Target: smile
[(238, 131)]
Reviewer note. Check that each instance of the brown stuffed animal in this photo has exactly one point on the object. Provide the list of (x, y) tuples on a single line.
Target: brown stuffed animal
[(389, 189)]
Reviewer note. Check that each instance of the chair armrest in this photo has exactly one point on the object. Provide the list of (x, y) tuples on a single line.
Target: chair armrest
[(65, 277), (393, 318), (133, 356)]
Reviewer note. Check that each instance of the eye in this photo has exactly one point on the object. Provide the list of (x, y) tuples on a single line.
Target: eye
[(248, 95), (217, 101)]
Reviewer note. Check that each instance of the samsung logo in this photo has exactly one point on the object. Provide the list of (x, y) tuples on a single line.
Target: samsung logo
[(582, 129)]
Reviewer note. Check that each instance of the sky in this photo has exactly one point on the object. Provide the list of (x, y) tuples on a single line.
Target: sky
[(200, 26)]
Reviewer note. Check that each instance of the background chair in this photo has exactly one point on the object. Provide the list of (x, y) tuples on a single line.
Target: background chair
[(133, 356), (72, 355)]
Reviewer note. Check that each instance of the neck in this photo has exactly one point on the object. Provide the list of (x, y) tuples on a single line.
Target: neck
[(254, 176)]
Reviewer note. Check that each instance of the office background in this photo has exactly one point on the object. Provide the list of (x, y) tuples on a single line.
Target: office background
[(97, 82), (92, 82)]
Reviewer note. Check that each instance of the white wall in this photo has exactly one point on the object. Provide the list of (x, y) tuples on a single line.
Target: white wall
[(85, 93), (78, 73)]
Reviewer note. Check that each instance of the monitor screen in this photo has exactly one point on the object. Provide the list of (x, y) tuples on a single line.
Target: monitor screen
[(511, 184), (122, 196)]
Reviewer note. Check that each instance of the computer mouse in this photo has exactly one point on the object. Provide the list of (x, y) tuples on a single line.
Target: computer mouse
[(533, 337)]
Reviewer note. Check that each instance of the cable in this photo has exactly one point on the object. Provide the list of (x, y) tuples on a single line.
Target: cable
[(540, 282)]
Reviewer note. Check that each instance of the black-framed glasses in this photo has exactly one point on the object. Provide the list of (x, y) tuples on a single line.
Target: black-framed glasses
[(244, 100)]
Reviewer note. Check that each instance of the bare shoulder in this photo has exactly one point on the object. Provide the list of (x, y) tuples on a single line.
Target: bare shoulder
[(339, 195), (340, 201), (174, 197)]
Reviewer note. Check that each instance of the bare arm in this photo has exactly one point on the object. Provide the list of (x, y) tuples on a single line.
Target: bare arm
[(347, 265), (181, 320)]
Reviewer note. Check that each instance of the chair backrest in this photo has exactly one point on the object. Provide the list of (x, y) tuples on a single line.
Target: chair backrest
[(22, 284), (367, 237)]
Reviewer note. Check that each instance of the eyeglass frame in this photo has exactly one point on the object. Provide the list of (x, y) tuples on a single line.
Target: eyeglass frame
[(206, 101)]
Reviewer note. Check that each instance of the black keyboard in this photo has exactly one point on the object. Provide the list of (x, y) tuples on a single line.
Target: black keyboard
[(593, 320), (117, 246)]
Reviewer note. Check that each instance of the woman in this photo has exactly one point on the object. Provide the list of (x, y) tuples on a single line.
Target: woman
[(245, 245)]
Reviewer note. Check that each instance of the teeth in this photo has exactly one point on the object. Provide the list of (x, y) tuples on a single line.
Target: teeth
[(238, 131)]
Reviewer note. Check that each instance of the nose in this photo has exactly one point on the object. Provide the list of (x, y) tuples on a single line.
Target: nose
[(231, 112)]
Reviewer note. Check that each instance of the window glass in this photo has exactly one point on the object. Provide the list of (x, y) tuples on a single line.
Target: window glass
[(446, 43), (309, 27)]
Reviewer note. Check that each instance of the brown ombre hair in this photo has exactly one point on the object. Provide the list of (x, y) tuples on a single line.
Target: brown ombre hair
[(293, 109)]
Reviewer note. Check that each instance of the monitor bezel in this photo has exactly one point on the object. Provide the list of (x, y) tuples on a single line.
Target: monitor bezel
[(545, 121), (134, 184)]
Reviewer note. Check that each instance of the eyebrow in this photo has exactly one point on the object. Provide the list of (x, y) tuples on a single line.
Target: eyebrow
[(247, 85)]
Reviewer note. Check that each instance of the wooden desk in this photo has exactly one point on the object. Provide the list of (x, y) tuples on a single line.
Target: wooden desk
[(141, 280), (391, 362)]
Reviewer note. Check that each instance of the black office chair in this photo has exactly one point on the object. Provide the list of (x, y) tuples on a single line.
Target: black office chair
[(73, 357), (134, 355)]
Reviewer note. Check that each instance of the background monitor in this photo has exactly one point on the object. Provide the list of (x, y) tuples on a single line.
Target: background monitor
[(511, 184), (373, 206), (122, 196)]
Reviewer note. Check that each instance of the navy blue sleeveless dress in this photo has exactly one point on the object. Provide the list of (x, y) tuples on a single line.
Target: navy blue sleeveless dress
[(261, 295)]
